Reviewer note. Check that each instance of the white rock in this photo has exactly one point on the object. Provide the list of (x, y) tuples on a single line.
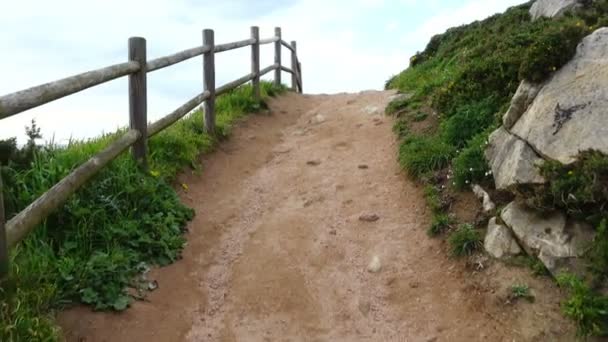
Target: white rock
[(371, 110), (525, 94), (499, 241), (556, 241), (569, 113), (375, 265), (488, 205), (512, 161), (552, 8)]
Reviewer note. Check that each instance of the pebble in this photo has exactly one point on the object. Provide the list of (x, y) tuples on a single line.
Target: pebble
[(369, 218), (313, 162), (375, 265)]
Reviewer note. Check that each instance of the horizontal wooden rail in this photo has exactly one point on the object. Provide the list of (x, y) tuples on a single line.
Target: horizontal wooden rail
[(233, 45), (20, 225), (286, 44), (20, 101), (136, 68), (177, 114), (231, 85), (268, 40), (268, 69), (175, 58)]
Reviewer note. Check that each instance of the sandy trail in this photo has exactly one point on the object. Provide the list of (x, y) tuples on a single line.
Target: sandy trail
[(277, 251)]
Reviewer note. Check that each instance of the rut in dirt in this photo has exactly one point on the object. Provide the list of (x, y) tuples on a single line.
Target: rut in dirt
[(278, 250)]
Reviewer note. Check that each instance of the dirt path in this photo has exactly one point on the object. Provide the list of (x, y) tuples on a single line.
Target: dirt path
[(277, 251)]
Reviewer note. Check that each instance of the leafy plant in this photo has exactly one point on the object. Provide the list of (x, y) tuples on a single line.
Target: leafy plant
[(521, 291), (588, 309), (441, 223), (421, 154), (465, 240)]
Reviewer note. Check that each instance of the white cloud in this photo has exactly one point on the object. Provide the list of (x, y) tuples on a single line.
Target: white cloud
[(343, 45)]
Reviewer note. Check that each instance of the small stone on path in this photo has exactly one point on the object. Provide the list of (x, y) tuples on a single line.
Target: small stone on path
[(313, 162), (375, 265), (369, 218)]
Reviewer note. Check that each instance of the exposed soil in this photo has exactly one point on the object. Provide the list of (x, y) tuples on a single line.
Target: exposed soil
[(278, 252)]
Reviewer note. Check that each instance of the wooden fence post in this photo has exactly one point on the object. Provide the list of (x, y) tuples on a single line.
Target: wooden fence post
[(255, 61), (300, 74), (4, 256), (138, 100), (209, 81), (294, 67), (277, 56)]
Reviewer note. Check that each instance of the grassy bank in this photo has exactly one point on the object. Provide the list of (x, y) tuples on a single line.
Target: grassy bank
[(92, 250), (461, 84)]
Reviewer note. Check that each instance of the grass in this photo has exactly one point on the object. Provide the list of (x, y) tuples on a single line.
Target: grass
[(521, 291), (470, 89), (465, 240), (588, 309), (123, 221)]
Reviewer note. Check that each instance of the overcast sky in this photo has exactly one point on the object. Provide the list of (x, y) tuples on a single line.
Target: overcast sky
[(344, 46)]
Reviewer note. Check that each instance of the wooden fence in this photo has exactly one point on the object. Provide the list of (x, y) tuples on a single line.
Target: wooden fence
[(137, 68)]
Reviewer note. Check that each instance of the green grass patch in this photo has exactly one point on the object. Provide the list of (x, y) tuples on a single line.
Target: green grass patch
[(465, 240), (588, 309), (521, 291), (119, 224), (421, 154)]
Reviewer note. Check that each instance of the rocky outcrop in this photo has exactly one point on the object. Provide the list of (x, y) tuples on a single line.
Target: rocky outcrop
[(512, 161), (526, 93), (556, 241), (486, 201), (569, 113), (499, 241), (553, 8)]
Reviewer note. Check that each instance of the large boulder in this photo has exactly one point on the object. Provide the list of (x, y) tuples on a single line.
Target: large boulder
[(569, 114), (512, 161), (553, 8), (525, 94), (555, 240), (499, 241)]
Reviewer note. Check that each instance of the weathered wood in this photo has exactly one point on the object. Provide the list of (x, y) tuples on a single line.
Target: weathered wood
[(233, 45), (294, 67), (177, 114), (255, 62), (300, 77), (277, 56), (268, 40), (4, 256), (209, 81), (268, 69), (286, 44), (175, 58), (234, 84), (20, 101), (138, 100), (20, 225)]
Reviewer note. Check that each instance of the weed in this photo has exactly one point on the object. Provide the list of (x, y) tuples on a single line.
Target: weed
[(465, 240), (441, 223), (420, 116), (521, 291), (470, 166), (588, 309)]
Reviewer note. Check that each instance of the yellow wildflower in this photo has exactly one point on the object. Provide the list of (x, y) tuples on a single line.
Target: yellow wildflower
[(155, 173), (185, 186)]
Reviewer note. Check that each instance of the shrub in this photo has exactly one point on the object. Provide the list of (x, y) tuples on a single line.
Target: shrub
[(465, 240), (470, 166), (580, 188), (468, 121), (554, 47), (441, 223), (587, 309)]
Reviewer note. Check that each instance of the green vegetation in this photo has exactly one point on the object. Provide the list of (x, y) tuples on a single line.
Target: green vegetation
[(521, 291), (588, 309), (465, 240), (123, 221), (471, 89)]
